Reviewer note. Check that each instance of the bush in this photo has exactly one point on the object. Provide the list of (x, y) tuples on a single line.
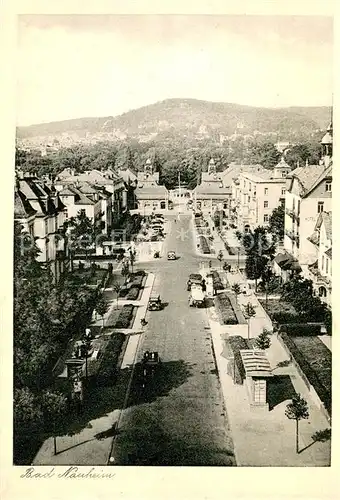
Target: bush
[(236, 344), (307, 329), (133, 293), (137, 280), (125, 316), (225, 309), (124, 291)]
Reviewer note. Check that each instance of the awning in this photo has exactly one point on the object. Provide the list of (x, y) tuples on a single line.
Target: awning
[(255, 363)]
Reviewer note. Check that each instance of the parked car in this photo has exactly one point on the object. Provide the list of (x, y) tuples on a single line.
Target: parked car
[(172, 255), (155, 303), (194, 278)]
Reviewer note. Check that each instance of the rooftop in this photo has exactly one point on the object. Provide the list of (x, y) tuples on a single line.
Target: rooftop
[(255, 363), (310, 176)]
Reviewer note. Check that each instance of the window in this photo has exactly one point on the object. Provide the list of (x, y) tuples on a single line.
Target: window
[(326, 266), (320, 207), (323, 263), (283, 191), (266, 218), (265, 204), (329, 186), (248, 199), (298, 207), (249, 186), (244, 183), (82, 211), (265, 191)]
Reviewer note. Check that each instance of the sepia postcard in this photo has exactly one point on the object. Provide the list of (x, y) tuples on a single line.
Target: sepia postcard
[(170, 271)]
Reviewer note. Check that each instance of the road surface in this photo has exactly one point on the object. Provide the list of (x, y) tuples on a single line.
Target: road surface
[(179, 418)]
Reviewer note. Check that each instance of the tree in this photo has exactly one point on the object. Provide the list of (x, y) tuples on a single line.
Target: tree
[(132, 258), (102, 308), (125, 270), (259, 250), (263, 340), (300, 153), (297, 410), (277, 222), (54, 406), (82, 232), (236, 289), (249, 311), (117, 288), (220, 257), (267, 275)]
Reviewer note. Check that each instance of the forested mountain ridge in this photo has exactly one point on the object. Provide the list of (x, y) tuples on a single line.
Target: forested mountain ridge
[(192, 118)]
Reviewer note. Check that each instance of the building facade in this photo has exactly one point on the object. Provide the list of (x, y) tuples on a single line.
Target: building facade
[(309, 193), (258, 193), (41, 213), (211, 194), (149, 194)]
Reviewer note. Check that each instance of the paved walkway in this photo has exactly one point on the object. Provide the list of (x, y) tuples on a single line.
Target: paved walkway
[(262, 437), (76, 450)]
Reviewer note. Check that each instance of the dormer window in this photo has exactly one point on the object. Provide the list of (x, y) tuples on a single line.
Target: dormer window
[(329, 186)]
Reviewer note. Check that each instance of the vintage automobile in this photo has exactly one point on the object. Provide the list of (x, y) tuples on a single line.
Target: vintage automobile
[(150, 363), (196, 296), (155, 303), (194, 278), (172, 255)]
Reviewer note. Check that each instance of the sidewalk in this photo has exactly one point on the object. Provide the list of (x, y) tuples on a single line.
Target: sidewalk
[(261, 437), (85, 448)]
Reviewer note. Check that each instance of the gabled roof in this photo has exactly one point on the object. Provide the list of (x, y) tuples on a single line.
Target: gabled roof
[(22, 207), (310, 176), (66, 191)]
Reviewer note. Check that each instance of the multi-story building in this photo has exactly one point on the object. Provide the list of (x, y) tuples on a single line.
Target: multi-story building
[(40, 211), (309, 193), (150, 195), (259, 193), (320, 271), (211, 194)]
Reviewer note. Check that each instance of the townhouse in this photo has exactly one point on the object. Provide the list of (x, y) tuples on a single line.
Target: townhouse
[(41, 213), (259, 192), (308, 194)]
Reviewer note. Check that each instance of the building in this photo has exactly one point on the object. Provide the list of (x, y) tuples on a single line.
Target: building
[(309, 193), (149, 194), (41, 213), (258, 193), (320, 271), (211, 194)]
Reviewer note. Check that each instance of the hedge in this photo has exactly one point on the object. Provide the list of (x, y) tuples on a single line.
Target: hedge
[(307, 329), (313, 378), (108, 365), (137, 280), (225, 309), (133, 293), (236, 344), (125, 316)]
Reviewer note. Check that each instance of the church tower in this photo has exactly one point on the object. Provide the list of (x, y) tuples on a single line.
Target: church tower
[(148, 168)]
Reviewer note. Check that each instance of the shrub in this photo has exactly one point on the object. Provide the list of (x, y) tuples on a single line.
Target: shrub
[(124, 291), (225, 309), (125, 316), (237, 343), (133, 293), (137, 280)]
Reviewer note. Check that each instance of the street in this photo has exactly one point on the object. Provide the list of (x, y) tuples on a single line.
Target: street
[(179, 418)]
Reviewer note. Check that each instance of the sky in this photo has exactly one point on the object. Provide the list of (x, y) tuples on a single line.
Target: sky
[(75, 66)]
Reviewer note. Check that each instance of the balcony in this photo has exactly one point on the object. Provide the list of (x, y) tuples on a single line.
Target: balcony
[(293, 215)]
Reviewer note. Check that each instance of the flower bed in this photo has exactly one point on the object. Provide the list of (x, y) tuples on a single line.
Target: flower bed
[(125, 316), (314, 360), (225, 310)]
